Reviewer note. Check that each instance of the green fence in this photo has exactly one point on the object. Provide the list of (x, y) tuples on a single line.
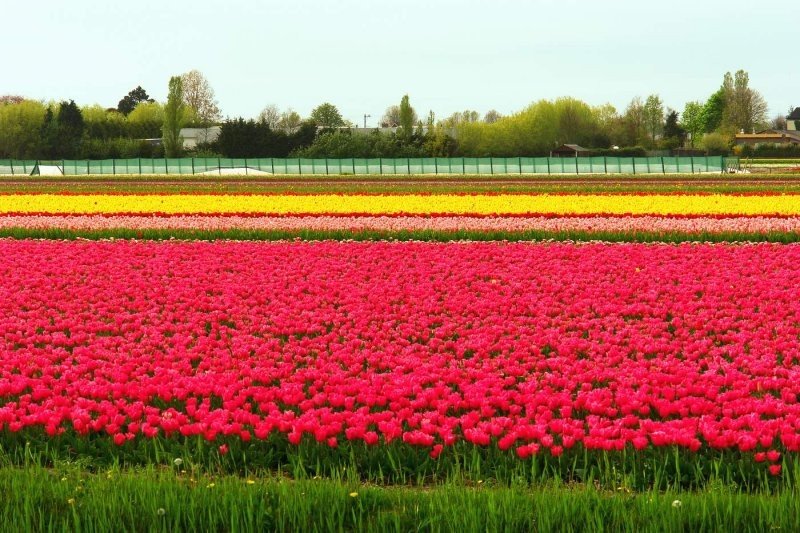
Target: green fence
[(387, 167)]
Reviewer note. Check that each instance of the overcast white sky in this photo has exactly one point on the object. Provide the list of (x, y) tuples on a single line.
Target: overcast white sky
[(362, 55)]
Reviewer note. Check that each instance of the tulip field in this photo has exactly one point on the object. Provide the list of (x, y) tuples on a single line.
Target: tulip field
[(189, 359)]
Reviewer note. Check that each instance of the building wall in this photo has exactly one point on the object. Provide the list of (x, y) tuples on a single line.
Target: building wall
[(194, 136)]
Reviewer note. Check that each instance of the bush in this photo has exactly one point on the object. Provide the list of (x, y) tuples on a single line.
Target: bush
[(762, 151), (716, 144), (345, 144), (119, 148)]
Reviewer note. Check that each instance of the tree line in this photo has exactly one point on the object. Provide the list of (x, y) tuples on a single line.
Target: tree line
[(141, 127)]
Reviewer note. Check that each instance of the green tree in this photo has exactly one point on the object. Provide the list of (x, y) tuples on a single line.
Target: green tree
[(609, 123), (146, 121), (674, 134), (576, 123), (62, 132), (692, 121), (407, 117), (102, 123), (132, 99), (634, 129), (326, 115), (21, 129), (653, 116), (713, 111), (174, 116)]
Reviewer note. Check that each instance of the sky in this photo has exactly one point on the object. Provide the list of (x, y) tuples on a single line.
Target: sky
[(363, 56)]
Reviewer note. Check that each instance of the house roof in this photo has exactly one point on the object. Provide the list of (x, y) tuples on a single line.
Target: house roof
[(770, 135), (571, 147), (794, 115), (784, 133)]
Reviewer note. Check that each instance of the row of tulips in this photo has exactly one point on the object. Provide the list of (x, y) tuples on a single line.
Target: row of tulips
[(532, 348), (411, 204), (647, 223)]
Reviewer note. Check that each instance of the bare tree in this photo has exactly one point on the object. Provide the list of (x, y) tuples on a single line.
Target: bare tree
[(199, 96), (492, 116), (270, 116), (745, 108), (290, 121), (391, 117), (778, 122), (11, 99)]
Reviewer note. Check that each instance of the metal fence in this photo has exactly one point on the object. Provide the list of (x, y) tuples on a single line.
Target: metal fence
[(386, 167)]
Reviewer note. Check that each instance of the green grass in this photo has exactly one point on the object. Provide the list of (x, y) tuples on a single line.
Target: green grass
[(399, 235), (397, 463), (67, 498), (770, 161)]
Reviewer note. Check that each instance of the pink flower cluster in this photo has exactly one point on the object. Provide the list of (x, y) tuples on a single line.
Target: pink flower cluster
[(657, 224), (534, 347)]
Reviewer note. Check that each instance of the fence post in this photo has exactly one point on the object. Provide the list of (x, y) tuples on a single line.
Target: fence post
[(605, 164), (520, 165), (633, 160), (691, 160), (436, 165), (548, 166), (408, 165), (576, 165), (219, 165), (193, 166), (327, 170), (491, 166), (11, 162), (663, 168), (113, 167)]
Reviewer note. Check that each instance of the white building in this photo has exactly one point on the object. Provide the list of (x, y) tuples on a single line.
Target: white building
[(194, 136)]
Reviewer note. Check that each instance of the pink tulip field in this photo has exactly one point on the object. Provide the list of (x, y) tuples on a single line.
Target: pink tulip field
[(532, 348)]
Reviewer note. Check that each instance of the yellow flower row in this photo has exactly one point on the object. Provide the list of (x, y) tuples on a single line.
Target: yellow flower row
[(411, 204)]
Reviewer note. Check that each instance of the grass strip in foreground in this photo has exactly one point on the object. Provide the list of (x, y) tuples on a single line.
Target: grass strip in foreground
[(68, 498), (400, 235), (397, 463)]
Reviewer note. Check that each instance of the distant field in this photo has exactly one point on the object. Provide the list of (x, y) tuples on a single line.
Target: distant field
[(443, 184), (778, 162)]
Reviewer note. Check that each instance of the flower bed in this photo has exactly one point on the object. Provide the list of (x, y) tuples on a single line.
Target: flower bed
[(500, 204), (532, 349)]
